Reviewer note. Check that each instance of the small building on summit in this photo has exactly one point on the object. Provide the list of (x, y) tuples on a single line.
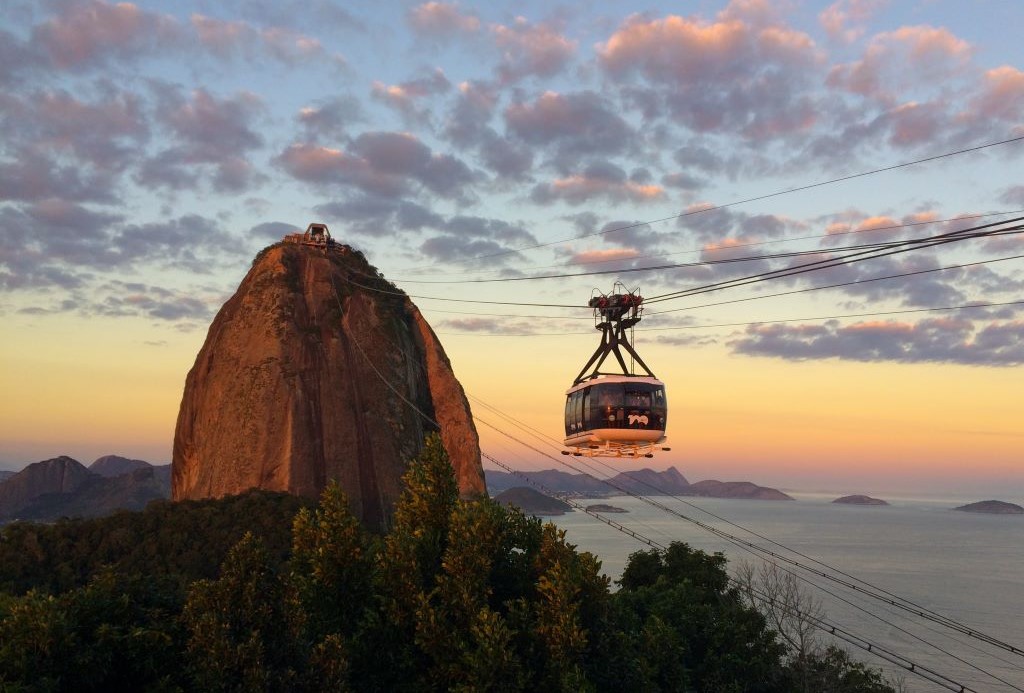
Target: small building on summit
[(316, 234)]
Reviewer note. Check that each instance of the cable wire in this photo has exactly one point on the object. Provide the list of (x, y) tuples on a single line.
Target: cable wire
[(726, 205)]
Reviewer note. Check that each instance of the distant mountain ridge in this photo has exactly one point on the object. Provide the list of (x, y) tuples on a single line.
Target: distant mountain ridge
[(64, 487), (648, 482)]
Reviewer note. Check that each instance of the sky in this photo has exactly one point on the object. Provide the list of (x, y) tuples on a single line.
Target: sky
[(149, 150)]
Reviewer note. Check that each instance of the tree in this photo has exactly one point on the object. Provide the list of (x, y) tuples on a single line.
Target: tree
[(239, 637), (795, 615), (694, 630), (331, 568)]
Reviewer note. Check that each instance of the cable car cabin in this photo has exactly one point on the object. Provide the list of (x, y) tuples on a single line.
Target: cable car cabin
[(616, 415)]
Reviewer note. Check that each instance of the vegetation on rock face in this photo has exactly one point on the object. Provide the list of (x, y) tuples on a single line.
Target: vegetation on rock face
[(462, 596)]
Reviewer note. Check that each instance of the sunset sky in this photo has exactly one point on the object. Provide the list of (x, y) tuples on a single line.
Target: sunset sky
[(149, 150)]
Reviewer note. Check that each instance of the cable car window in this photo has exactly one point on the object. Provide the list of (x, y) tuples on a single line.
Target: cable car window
[(608, 395), (636, 398), (586, 410)]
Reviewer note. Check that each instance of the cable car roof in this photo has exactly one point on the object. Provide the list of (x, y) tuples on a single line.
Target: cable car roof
[(614, 379)]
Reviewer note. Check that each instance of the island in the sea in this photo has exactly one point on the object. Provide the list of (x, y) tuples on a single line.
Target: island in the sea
[(992, 507), (859, 499), (533, 502), (605, 508)]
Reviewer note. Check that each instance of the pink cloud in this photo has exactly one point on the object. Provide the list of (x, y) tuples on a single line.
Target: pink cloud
[(87, 32), (213, 127), (226, 38), (744, 72), (1001, 96), (531, 49), (442, 19), (382, 163), (844, 20), (908, 57), (679, 50), (404, 97), (606, 255), (579, 188)]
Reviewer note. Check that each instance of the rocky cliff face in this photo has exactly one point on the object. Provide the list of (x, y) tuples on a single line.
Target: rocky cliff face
[(314, 370)]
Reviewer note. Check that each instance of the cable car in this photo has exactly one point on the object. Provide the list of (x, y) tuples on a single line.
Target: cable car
[(609, 414)]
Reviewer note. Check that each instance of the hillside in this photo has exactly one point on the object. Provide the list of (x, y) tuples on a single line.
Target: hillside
[(647, 482), (62, 487), (533, 502)]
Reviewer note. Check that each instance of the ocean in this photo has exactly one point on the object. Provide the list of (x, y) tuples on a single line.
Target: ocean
[(968, 567)]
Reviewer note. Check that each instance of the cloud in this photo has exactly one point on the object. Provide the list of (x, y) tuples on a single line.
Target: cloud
[(330, 119), (154, 303), (1001, 97), (845, 20), (92, 32), (530, 50), (937, 340), (576, 125), (407, 96), (502, 326), (442, 20), (31, 175), (742, 73), (1014, 195), (228, 39), (587, 257), (106, 132), (598, 180), (205, 132), (381, 163), (896, 61), (468, 237), (370, 215)]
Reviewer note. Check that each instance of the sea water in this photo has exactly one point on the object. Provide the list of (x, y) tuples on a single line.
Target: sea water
[(966, 566)]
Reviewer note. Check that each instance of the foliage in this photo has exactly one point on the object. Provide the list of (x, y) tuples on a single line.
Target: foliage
[(186, 540), (458, 596)]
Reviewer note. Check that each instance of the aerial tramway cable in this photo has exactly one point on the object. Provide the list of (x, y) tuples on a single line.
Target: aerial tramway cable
[(858, 254), (777, 193), (750, 244), (966, 306)]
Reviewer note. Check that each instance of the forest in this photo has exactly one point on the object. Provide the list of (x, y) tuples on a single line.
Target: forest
[(268, 592)]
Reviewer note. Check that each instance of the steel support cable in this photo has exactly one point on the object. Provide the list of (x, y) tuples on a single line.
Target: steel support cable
[(726, 205), (841, 284), (879, 245), (866, 645), (466, 300), (672, 310), (966, 306), (893, 248), (872, 592), (750, 244), (830, 262), (547, 439), (747, 298), (833, 630)]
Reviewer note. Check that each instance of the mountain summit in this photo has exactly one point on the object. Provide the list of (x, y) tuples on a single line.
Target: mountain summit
[(313, 371)]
